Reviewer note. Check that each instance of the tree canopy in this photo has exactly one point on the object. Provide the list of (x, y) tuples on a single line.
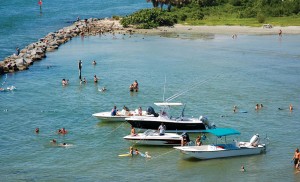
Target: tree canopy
[(169, 12)]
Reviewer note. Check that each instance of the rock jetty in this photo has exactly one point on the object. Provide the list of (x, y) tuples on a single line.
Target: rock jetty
[(38, 50)]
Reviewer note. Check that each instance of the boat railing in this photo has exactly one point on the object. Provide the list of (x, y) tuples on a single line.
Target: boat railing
[(149, 132)]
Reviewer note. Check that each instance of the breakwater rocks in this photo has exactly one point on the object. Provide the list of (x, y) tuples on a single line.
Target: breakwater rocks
[(36, 51)]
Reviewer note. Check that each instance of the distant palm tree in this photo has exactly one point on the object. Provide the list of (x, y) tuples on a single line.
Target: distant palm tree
[(169, 3)]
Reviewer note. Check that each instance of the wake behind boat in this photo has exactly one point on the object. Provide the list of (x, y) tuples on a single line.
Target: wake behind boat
[(173, 124), (152, 137), (221, 150)]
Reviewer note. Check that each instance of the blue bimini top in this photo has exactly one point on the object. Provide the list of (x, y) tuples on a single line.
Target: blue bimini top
[(219, 132)]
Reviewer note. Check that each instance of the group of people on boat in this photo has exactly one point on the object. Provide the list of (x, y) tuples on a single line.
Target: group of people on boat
[(126, 111), (186, 139), (134, 87)]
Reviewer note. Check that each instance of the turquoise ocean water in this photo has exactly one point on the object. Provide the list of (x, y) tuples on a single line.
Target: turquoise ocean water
[(242, 72)]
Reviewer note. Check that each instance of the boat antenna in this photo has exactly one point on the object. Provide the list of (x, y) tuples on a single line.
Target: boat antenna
[(164, 88)]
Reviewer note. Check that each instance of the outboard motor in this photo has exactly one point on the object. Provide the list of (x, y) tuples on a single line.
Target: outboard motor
[(254, 140), (206, 122), (203, 119), (150, 111)]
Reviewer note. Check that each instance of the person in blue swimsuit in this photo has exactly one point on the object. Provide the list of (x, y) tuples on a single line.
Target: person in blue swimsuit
[(114, 111)]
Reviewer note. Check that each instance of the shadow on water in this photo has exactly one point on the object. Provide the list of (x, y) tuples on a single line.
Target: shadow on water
[(188, 36), (112, 124)]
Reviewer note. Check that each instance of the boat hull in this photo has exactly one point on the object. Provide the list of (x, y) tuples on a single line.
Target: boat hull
[(106, 116), (169, 139), (171, 126), (163, 142), (203, 153)]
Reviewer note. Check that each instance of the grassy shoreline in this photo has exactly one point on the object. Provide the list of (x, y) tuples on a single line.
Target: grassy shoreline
[(251, 22)]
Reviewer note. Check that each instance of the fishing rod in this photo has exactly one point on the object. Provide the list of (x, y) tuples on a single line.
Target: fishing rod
[(193, 86)]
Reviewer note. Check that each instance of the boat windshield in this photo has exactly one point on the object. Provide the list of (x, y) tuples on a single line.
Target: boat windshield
[(165, 112)]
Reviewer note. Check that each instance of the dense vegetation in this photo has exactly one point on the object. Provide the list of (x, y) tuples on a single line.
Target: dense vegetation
[(216, 12)]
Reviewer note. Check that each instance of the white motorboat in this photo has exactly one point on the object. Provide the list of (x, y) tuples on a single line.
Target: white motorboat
[(173, 124), (120, 116), (221, 150), (152, 137)]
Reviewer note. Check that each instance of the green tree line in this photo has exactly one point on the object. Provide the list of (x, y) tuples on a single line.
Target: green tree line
[(169, 12)]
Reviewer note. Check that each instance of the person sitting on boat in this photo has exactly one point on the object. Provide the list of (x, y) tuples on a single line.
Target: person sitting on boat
[(198, 141), (126, 111), (132, 132), (162, 129), (114, 111), (140, 111), (185, 139)]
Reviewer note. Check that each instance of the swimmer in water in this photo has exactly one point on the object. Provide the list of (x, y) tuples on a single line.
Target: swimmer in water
[(147, 155), (53, 142), (242, 168), (291, 107), (65, 145)]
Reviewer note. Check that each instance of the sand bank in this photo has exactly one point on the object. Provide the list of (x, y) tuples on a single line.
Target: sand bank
[(224, 30)]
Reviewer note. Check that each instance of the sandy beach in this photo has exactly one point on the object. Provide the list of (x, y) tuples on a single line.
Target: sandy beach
[(178, 28)]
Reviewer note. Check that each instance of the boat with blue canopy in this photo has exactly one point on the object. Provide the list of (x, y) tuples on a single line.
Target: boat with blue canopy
[(224, 149)]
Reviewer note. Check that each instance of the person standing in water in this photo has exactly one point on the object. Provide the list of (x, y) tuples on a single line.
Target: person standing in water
[(296, 158), (280, 33), (40, 4), (79, 68), (291, 107), (95, 79)]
